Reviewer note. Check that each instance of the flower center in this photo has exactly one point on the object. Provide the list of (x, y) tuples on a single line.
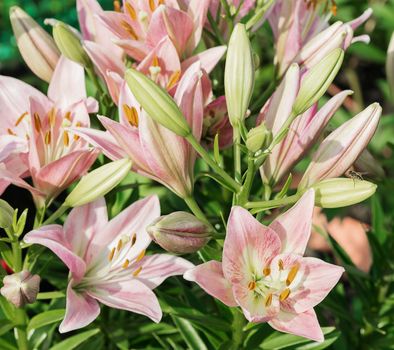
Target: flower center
[(279, 286)]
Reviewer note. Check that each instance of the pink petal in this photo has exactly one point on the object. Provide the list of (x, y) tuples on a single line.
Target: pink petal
[(81, 310), (198, 12), (209, 276), (135, 49), (158, 267), (102, 140), (304, 325), (128, 140), (86, 9), (169, 21), (82, 224), (131, 295), (208, 58), (249, 246), (14, 100), (294, 226), (53, 237), (58, 175), (67, 84), (361, 19)]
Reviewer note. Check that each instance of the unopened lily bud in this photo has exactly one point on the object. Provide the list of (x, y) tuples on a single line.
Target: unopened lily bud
[(6, 214), (317, 81), (21, 288), (390, 65), (258, 137), (69, 44), (157, 103), (98, 183), (341, 192), (36, 46), (238, 74), (180, 232)]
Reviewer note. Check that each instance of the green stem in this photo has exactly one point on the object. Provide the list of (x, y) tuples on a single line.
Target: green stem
[(58, 213), (92, 75), (258, 15), (237, 154), (237, 329), (204, 155), (244, 195), (40, 214), (265, 205), (196, 210), (229, 17), (216, 30)]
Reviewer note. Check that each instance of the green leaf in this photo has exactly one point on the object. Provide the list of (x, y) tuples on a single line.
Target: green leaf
[(74, 341), (283, 341), (5, 326), (5, 345), (50, 295), (6, 253), (189, 334), (7, 308), (378, 219), (216, 150), (45, 318)]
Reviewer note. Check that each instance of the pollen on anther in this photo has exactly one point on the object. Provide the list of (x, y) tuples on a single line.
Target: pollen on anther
[(173, 79), (155, 61), (136, 272), (10, 132), (21, 118), (131, 115), (268, 300), (251, 285), (280, 264), (130, 10), (52, 117), (120, 245), (48, 137), (152, 5), (126, 263), (133, 239), (129, 29), (292, 274), (111, 254), (140, 256), (66, 139), (117, 6), (284, 295), (37, 122), (266, 271)]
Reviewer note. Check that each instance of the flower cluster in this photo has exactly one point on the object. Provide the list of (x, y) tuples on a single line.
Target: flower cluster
[(167, 105)]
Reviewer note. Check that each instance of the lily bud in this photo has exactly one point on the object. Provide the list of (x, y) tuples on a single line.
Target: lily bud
[(157, 103), (317, 80), (69, 44), (98, 183), (390, 65), (238, 74), (21, 288), (341, 192), (36, 46), (180, 232), (258, 137), (6, 214)]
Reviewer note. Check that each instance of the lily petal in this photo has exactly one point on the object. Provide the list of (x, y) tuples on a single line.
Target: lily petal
[(131, 295), (81, 310), (209, 276), (53, 237), (304, 325), (294, 226)]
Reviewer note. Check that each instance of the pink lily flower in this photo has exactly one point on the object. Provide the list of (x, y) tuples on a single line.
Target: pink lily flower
[(264, 272), (339, 150), (304, 130), (56, 158), (156, 152), (140, 25), (107, 260), (303, 36)]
